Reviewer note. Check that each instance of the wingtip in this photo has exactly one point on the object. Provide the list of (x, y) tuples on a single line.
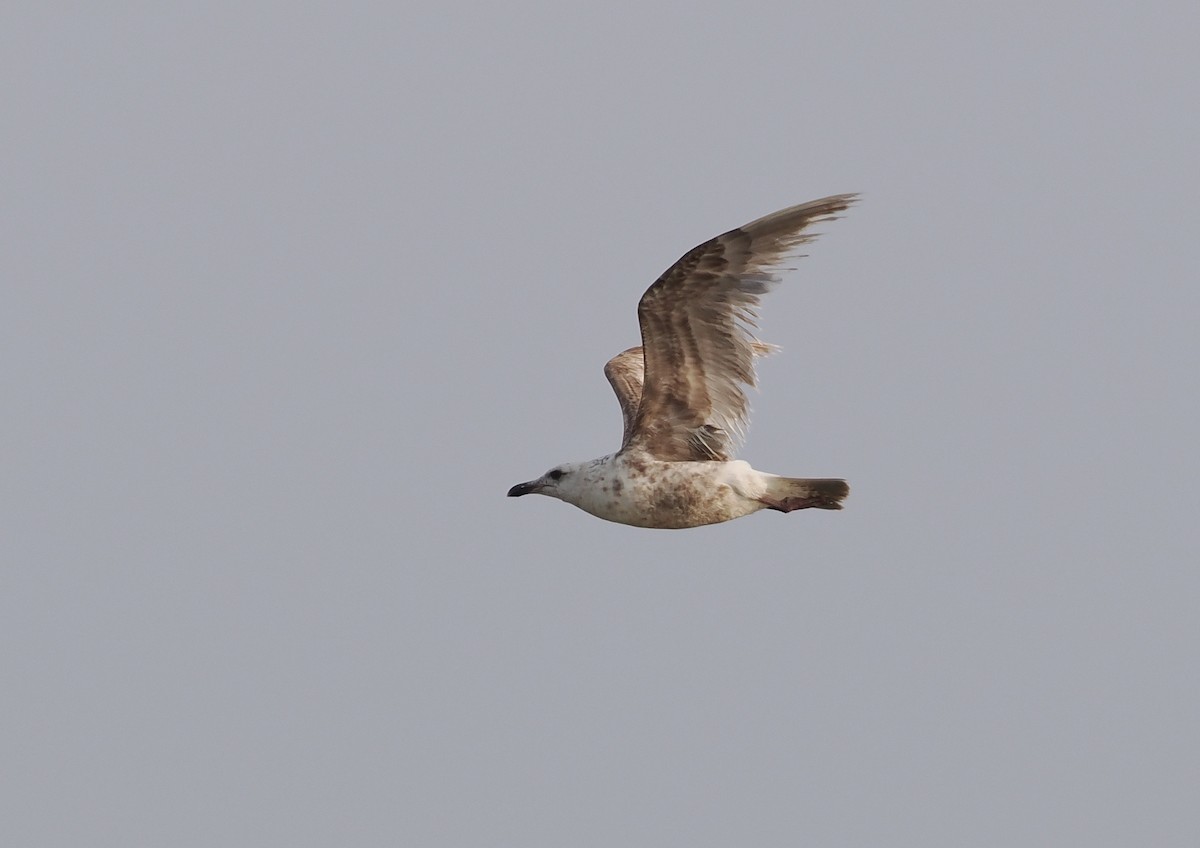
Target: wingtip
[(836, 202), (801, 216)]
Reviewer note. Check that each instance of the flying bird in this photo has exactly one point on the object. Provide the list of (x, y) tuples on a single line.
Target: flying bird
[(681, 393)]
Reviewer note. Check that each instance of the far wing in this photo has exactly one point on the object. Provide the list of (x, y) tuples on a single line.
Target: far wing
[(624, 372)]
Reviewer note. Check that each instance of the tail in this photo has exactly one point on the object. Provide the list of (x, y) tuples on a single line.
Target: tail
[(789, 493)]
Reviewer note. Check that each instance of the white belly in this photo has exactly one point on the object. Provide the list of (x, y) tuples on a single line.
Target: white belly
[(648, 493)]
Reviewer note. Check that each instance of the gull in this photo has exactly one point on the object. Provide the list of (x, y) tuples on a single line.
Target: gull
[(681, 393)]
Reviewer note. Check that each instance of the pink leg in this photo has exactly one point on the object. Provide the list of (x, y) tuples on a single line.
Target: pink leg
[(789, 504)]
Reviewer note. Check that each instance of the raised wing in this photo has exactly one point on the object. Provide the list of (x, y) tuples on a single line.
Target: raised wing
[(624, 372), (696, 323)]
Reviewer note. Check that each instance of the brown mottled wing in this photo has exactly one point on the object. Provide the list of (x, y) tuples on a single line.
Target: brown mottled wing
[(624, 373), (696, 321)]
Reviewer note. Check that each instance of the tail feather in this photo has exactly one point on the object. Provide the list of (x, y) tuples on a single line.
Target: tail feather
[(790, 493)]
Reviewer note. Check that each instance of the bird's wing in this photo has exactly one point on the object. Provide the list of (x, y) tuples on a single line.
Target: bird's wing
[(624, 372), (697, 345)]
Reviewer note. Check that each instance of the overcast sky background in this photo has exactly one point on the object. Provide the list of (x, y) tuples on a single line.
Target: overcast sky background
[(293, 293)]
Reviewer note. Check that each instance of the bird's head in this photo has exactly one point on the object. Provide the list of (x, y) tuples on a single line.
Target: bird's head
[(562, 481)]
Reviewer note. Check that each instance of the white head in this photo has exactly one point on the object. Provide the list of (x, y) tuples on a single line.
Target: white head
[(567, 482)]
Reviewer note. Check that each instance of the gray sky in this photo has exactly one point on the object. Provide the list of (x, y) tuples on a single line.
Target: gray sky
[(293, 294)]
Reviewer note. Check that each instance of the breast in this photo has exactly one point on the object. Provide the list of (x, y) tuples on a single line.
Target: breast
[(668, 495)]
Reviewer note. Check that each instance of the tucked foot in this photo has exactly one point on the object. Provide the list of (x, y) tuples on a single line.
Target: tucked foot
[(793, 503)]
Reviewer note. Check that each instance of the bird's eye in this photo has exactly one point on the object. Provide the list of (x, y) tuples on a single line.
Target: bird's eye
[(556, 474)]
